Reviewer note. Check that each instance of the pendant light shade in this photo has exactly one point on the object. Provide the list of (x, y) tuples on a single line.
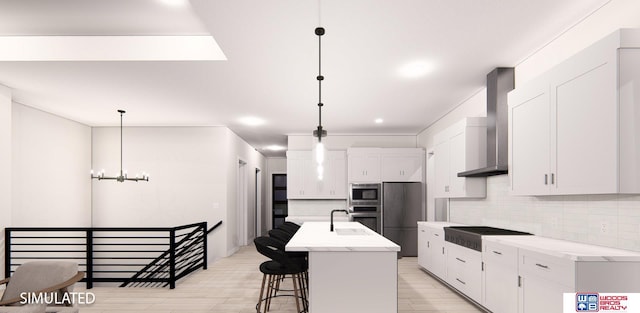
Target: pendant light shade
[(319, 148), (123, 174)]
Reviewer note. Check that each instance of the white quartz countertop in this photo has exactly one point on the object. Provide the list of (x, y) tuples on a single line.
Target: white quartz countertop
[(347, 236), (566, 249), (439, 224)]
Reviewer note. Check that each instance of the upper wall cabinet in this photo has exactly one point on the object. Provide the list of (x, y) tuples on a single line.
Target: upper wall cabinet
[(302, 178), (460, 147), (364, 165), (374, 165), (402, 165), (573, 130)]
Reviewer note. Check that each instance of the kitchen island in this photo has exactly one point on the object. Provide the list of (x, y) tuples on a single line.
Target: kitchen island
[(352, 269)]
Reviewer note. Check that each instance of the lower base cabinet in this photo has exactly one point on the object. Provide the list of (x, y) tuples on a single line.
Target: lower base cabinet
[(464, 270), (500, 279), (528, 274), (432, 255)]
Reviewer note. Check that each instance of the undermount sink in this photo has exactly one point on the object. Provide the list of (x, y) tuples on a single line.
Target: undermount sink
[(351, 232)]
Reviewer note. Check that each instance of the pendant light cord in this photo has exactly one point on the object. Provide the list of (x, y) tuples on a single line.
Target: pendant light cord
[(320, 31)]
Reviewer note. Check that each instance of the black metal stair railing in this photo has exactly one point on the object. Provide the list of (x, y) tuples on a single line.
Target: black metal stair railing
[(144, 257)]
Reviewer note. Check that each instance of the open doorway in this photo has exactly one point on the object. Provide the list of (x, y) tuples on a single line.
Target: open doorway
[(241, 203), (258, 220)]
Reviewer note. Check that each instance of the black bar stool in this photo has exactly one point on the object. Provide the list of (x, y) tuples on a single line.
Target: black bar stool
[(281, 264)]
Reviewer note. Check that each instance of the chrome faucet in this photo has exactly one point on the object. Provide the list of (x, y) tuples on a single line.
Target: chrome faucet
[(345, 211)]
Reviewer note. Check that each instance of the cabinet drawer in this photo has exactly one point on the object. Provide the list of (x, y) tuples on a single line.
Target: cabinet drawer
[(464, 270), (500, 254), (547, 267)]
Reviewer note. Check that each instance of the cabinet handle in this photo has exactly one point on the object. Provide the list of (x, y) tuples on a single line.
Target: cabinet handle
[(553, 178), (428, 244), (446, 188), (546, 177), (461, 260), (442, 250), (519, 281), (482, 266), (437, 235), (542, 266), (496, 252), (461, 281)]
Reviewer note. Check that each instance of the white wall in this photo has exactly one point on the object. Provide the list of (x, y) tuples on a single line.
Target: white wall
[(237, 150), (51, 161), (187, 185), (5, 167), (578, 218), (274, 166)]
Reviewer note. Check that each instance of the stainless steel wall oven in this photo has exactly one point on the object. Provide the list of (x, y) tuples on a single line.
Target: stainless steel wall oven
[(364, 205)]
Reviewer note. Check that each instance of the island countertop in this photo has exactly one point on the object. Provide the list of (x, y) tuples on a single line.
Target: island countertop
[(347, 236)]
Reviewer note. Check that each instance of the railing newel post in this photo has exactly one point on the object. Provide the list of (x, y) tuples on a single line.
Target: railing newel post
[(172, 258), (204, 245), (89, 256), (7, 252)]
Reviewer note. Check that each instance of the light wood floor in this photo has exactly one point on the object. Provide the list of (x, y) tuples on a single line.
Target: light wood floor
[(231, 285)]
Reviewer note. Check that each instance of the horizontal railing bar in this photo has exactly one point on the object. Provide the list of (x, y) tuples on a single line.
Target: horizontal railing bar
[(132, 251), (95, 229), (48, 258), (123, 258), (123, 279), (48, 244), (49, 251), (130, 237), (47, 237), (130, 244)]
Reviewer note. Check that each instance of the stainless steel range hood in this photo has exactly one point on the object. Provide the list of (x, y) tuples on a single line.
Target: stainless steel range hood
[(499, 82)]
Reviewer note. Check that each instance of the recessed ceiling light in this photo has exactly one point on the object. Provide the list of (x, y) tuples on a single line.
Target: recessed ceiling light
[(379, 121), (416, 69), (174, 3), (251, 121), (274, 148)]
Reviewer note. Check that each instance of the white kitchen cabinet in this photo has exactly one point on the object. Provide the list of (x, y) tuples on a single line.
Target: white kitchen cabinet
[(547, 268), (431, 250), (573, 129), (544, 277), (432, 254), (460, 147), (334, 185), (436, 253), (464, 270), (499, 277), (402, 165), (364, 165), (423, 245), (302, 177)]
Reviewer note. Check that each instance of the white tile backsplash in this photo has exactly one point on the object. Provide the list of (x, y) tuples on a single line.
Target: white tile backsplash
[(606, 220)]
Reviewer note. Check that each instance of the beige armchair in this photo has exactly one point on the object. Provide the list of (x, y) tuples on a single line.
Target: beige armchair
[(38, 277)]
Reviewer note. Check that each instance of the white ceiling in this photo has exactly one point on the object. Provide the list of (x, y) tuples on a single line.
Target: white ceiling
[(271, 65)]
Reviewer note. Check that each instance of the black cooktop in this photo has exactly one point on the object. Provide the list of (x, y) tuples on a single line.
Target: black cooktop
[(471, 236)]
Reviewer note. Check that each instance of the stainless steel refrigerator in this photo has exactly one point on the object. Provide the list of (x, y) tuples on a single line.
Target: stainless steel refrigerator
[(401, 210)]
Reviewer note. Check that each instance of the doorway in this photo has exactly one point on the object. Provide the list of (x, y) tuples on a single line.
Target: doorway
[(241, 203), (257, 218)]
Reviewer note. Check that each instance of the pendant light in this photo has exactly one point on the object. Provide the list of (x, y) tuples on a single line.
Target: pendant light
[(123, 174), (319, 149)]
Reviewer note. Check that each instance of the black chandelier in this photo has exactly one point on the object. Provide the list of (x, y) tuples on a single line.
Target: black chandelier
[(123, 175)]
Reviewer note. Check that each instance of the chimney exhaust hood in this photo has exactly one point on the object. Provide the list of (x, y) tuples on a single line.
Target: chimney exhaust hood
[(499, 82)]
